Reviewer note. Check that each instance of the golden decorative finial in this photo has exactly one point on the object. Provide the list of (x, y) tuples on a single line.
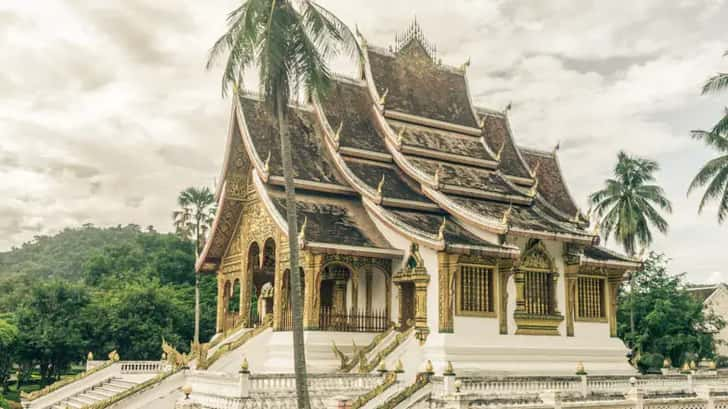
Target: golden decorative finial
[(595, 230), (500, 151), (507, 215), (400, 136), (685, 367), (667, 363), (535, 170), (337, 135), (534, 191), (398, 367), (380, 187), (441, 232), (428, 366), (692, 365), (266, 164), (302, 233), (465, 65), (90, 356), (383, 98), (164, 356), (382, 366), (580, 368), (577, 216), (438, 173), (712, 365), (244, 367), (481, 123), (507, 108), (187, 390), (449, 369)]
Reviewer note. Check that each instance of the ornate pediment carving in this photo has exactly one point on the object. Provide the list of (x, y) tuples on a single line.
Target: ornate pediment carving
[(536, 257)]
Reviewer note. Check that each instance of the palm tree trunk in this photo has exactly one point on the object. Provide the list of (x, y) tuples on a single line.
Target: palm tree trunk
[(299, 354), (196, 338)]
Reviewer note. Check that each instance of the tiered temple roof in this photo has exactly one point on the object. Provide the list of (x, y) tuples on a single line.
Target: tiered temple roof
[(404, 146)]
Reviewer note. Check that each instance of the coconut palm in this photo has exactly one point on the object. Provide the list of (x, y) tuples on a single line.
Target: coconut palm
[(192, 221), (289, 42), (630, 204), (715, 173)]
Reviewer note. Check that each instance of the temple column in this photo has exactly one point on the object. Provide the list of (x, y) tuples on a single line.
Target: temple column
[(278, 299), (504, 271), (570, 280), (219, 322), (421, 307), (368, 283), (340, 297), (446, 266), (312, 264), (519, 278), (613, 283)]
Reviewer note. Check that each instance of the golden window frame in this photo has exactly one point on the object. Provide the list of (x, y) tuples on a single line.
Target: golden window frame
[(602, 298), (491, 297)]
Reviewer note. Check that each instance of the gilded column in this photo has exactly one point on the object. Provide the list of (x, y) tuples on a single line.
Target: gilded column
[(519, 278), (613, 283), (446, 265), (219, 324), (504, 271), (421, 308), (570, 280), (312, 271)]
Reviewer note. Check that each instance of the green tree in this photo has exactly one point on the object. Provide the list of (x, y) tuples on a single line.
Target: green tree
[(715, 173), (289, 41), (137, 316), (51, 330), (192, 220), (628, 205), (8, 344), (667, 320)]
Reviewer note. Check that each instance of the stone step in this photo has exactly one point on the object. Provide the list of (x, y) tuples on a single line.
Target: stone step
[(114, 389), (100, 394), (89, 397), (80, 400), (122, 383), (72, 404)]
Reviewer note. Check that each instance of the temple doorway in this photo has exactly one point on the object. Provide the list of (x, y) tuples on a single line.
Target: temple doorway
[(406, 305)]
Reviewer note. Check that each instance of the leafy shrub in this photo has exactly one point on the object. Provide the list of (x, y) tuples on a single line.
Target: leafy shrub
[(650, 362), (721, 361)]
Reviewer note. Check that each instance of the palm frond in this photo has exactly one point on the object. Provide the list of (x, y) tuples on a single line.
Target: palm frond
[(721, 128), (716, 83), (707, 172), (723, 207), (715, 189), (711, 139)]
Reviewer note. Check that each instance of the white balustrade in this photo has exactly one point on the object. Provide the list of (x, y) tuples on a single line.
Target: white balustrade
[(143, 367)]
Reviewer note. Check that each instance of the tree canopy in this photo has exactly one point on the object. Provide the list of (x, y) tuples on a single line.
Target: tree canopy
[(669, 322)]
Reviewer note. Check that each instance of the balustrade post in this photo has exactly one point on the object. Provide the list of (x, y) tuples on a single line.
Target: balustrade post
[(244, 382), (637, 396), (585, 386), (691, 388)]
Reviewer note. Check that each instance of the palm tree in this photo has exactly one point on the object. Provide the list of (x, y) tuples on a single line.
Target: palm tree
[(192, 221), (627, 204), (626, 207), (715, 172), (289, 42)]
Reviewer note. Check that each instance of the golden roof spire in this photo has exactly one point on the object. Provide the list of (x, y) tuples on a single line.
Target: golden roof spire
[(441, 231), (302, 233), (380, 187), (266, 164), (383, 98), (536, 168), (507, 215)]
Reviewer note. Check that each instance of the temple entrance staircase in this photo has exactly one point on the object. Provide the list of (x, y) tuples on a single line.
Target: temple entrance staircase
[(97, 393), (104, 381)]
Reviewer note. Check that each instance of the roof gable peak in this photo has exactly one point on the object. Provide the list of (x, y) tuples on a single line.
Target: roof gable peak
[(412, 42)]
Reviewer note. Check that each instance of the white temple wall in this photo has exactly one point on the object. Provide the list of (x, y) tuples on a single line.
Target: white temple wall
[(379, 291)]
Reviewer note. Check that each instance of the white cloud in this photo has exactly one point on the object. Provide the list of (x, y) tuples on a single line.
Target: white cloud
[(107, 111)]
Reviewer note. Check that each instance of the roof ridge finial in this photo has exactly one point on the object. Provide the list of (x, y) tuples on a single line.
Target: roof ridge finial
[(380, 187), (302, 233), (507, 215), (536, 168), (441, 231), (414, 32)]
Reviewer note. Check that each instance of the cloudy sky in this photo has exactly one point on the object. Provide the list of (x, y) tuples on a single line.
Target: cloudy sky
[(106, 111)]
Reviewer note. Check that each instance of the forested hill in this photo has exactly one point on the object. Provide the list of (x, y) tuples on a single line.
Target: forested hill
[(63, 255), (120, 288)]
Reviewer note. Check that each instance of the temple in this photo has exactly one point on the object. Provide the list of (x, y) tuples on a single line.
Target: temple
[(426, 232)]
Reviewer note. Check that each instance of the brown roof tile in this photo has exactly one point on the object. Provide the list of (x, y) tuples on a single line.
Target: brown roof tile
[(551, 183), (498, 136), (419, 86)]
